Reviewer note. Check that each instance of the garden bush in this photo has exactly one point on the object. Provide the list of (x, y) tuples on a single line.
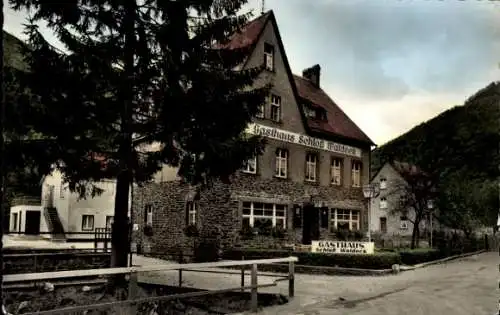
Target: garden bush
[(375, 261), (421, 255)]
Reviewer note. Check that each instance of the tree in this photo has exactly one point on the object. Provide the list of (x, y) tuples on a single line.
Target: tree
[(467, 204), (412, 192), (138, 73)]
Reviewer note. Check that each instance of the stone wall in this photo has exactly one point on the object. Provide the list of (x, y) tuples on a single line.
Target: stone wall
[(220, 213)]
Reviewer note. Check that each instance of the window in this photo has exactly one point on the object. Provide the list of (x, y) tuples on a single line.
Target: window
[(311, 160), (403, 201), (383, 225), (383, 183), (342, 219), (251, 166), (383, 203), (191, 213), (148, 214), (281, 163), (336, 171), (297, 217), (275, 108), (61, 190), (356, 174), (324, 218), (261, 111), (269, 56), (14, 222), (261, 215), (109, 221), (87, 222), (404, 223), (309, 112)]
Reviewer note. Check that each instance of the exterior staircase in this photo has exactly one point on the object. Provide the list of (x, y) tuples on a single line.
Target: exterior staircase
[(54, 224)]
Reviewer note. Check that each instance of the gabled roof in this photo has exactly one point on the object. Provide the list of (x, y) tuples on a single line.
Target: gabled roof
[(337, 123), (404, 169), (249, 34)]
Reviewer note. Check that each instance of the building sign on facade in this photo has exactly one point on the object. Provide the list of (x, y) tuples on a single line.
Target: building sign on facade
[(287, 136), (341, 247)]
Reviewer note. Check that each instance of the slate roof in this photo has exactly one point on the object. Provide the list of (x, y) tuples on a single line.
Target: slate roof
[(337, 123)]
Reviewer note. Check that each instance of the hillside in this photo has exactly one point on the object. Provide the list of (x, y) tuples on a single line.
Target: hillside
[(464, 138)]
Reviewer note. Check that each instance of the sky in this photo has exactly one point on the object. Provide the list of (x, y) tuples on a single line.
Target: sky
[(389, 64)]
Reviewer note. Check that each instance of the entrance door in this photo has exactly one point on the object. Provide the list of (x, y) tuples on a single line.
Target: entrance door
[(310, 228), (32, 223)]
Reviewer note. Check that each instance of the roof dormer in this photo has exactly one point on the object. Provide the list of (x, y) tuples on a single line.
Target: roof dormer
[(313, 112)]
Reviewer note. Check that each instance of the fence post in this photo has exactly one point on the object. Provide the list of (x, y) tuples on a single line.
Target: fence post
[(253, 301), (132, 292), (180, 278), (242, 275), (291, 279)]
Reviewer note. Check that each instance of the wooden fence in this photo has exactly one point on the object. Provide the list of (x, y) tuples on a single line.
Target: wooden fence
[(132, 302)]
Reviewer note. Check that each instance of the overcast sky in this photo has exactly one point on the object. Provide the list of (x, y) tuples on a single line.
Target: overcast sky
[(389, 64)]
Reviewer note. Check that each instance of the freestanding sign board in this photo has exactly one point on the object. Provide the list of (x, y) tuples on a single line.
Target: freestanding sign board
[(342, 247)]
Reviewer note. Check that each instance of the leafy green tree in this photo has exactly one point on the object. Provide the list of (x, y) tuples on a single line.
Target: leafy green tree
[(137, 73), (411, 195)]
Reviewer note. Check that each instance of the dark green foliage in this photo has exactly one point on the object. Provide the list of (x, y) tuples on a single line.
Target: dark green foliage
[(413, 257), (191, 230), (137, 73), (459, 150), (206, 250), (375, 261), (346, 235)]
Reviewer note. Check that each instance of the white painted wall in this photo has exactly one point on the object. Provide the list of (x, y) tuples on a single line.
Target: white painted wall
[(20, 210), (71, 208), (393, 179)]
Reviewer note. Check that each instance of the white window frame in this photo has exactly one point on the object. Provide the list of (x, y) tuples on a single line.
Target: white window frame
[(109, 221), (309, 112), (334, 218), (383, 203), (275, 103), (281, 163), (273, 218), (149, 214), (311, 167), (403, 225), (336, 171), (86, 226), (61, 190), (192, 212), (356, 174), (380, 223), (383, 183), (269, 57), (248, 166), (261, 111)]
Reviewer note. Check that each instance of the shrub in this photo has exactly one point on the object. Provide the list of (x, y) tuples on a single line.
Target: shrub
[(191, 230), (148, 230), (375, 261), (418, 256), (278, 232), (247, 232), (207, 250)]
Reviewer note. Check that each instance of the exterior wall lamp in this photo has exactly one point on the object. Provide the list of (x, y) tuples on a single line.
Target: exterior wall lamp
[(370, 191)]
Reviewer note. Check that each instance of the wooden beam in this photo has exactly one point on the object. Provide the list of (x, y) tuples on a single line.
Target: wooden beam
[(114, 271)]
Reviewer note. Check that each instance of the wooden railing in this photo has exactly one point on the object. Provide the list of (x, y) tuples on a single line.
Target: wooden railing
[(133, 272)]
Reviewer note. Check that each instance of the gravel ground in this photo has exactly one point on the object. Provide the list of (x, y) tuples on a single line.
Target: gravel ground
[(466, 286)]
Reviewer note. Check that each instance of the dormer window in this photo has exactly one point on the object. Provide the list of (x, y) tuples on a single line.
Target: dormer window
[(314, 113), (309, 112), (269, 56)]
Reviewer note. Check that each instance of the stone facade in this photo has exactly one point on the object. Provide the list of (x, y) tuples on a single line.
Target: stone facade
[(219, 208)]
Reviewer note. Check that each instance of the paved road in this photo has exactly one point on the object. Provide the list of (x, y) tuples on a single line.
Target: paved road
[(462, 287)]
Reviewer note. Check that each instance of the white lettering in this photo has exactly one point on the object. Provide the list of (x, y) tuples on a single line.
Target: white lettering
[(304, 140)]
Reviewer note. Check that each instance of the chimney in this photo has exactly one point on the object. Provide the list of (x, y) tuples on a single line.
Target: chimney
[(312, 74)]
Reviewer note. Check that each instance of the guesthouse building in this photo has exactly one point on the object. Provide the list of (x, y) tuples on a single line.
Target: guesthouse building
[(307, 184)]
